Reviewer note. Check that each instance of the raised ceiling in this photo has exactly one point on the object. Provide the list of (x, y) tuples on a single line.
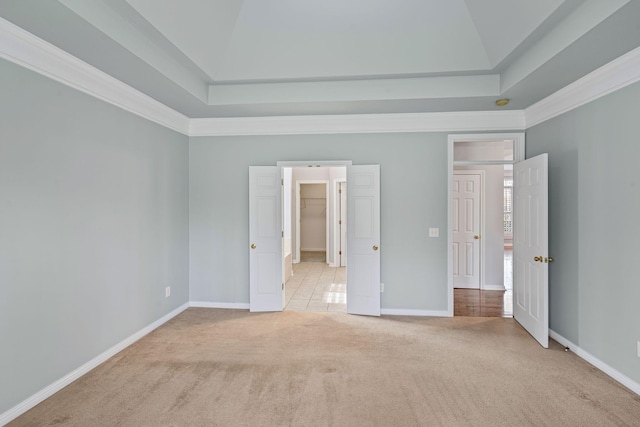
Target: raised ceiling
[(226, 58)]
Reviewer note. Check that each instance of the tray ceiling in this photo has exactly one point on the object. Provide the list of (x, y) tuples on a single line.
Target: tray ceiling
[(225, 58)]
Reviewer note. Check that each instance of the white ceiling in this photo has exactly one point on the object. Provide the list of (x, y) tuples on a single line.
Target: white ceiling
[(222, 58)]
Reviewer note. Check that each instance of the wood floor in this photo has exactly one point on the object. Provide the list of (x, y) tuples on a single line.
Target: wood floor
[(476, 302)]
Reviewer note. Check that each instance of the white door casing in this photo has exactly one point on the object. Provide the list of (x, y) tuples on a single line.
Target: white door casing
[(265, 239), (343, 224), (518, 155), (531, 246), (363, 239), (466, 207)]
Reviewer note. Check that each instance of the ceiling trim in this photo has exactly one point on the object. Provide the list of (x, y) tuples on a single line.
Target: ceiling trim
[(586, 17), (360, 123), (617, 74), (25, 49), (356, 90)]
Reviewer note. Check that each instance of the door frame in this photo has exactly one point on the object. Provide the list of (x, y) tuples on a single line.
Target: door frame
[(336, 214), (310, 164), (326, 222), (482, 248), (518, 155)]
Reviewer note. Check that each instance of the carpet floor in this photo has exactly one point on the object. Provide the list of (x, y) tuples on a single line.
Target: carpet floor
[(214, 367)]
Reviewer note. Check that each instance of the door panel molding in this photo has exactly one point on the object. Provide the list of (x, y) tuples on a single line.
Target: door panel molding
[(363, 239), (531, 247), (265, 238), (477, 247)]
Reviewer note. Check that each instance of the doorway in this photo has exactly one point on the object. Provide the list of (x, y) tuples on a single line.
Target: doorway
[(318, 281), (481, 261), (312, 219), (267, 236)]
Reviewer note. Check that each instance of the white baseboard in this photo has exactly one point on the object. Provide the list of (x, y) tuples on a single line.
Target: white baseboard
[(406, 312), (612, 372), (58, 385), (232, 305), (494, 287)]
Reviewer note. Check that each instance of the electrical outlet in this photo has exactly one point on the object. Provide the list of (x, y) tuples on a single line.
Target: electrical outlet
[(167, 291), (381, 287), (434, 232)]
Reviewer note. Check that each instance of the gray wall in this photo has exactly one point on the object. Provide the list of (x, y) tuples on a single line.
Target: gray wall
[(594, 229), (413, 169), (93, 226)]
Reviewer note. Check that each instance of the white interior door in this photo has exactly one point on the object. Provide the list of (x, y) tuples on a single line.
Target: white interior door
[(265, 239), (343, 224), (467, 194), (363, 240), (530, 247)]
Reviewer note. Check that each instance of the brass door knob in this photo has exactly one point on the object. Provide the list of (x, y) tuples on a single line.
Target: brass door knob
[(537, 258), (253, 246), (549, 259), (375, 248), (476, 237)]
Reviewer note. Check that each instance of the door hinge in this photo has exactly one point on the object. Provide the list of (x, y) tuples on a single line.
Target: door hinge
[(340, 191), (283, 234), (339, 252), (283, 286), (339, 221), (281, 181)]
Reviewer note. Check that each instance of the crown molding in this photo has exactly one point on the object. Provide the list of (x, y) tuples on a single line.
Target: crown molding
[(615, 75), (25, 49), (360, 123)]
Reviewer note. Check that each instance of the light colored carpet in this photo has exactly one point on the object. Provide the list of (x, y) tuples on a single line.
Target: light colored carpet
[(213, 367)]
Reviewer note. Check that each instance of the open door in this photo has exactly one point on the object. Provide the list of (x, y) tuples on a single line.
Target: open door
[(530, 247), (363, 240), (265, 239)]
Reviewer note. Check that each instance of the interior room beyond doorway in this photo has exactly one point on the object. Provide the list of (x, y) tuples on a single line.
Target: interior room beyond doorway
[(482, 228), (318, 278)]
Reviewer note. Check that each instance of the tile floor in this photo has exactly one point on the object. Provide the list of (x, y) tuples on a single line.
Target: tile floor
[(315, 286)]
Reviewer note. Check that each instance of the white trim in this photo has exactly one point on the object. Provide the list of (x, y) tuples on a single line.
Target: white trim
[(409, 312), (615, 75), (314, 163), (588, 357), (493, 287), (229, 305), (25, 49), (477, 121), (337, 228), (58, 385)]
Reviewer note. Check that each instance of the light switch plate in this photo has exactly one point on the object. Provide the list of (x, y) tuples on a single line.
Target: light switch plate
[(434, 232)]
